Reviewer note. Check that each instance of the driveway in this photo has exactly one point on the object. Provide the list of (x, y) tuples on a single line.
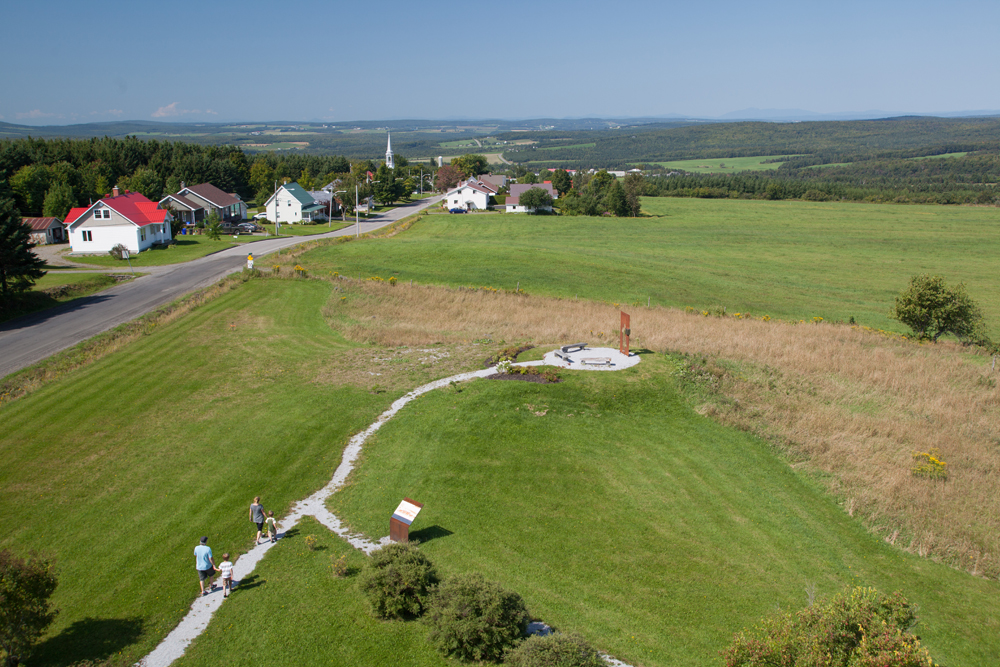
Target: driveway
[(29, 339)]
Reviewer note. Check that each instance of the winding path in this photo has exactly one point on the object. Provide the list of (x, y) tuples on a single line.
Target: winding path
[(203, 608)]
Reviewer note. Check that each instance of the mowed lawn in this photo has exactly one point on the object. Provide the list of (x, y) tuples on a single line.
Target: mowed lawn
[(119, 468), (789, 260), (618, 512), (184, 249)]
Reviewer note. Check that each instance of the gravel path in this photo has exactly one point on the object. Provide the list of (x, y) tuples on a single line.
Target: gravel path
[(173, 645)]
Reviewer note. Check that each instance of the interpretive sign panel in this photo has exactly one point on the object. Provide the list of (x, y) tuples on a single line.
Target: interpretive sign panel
[(399, 524)]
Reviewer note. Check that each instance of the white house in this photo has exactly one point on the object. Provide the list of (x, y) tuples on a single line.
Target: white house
[(518, 189), (291, 203), (470, 195), (129, 219)]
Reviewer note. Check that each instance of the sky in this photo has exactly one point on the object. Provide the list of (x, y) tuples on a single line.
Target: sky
[(220, 60)]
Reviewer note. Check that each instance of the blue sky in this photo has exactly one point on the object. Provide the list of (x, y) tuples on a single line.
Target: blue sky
[(220, 60)]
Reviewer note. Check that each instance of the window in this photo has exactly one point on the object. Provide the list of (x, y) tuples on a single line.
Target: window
[(88, 235), (142, 233), (102, 213)]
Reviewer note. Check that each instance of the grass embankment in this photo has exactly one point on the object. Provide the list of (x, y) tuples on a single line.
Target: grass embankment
[(620, 513), (728, 165), (789, 260), (184, 249), (292, 611), (306, 230), (118, 468), (53, 289)]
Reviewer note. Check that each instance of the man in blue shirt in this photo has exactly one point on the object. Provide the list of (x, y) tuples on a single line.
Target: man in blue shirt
[(204, 564)]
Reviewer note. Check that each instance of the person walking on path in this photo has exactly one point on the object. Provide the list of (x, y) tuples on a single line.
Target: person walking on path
[(226, 568), (272, 527), (204, 564), (257, 516)]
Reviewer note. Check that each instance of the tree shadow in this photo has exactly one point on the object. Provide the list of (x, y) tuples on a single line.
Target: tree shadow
[(291, 532), (425, 535), (640, 351), (94, 639)]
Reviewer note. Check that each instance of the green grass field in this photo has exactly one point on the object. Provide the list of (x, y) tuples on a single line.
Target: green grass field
[(184, 249), (729, 165), (306, 230), (790, 260), (620, 513), (144, 451), (934, 157)]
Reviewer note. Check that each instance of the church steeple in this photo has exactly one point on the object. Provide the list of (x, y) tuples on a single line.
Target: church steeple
[(388, 152)]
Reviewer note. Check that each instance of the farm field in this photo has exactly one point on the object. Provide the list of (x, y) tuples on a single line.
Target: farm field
[(654, 572), (788, 260), (729, 165)]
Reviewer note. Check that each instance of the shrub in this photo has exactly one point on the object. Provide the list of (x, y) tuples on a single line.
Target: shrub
[(397, 581), (118, 252), (25, 589), (555, 650), (311, 542), (931, 309), (339, 566), (474, 619), (858, 626)]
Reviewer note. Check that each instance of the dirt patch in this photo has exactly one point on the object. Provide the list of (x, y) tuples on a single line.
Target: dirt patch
[(397, 369)]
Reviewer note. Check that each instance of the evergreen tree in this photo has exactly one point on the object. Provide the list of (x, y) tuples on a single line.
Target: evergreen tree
[(19, 266), (614, 200)]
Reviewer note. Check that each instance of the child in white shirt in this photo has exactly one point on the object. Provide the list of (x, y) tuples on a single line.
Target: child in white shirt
[(272, 526), (227, 575)]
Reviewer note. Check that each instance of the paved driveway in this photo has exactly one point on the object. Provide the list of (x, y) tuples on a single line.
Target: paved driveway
[(29, 339)]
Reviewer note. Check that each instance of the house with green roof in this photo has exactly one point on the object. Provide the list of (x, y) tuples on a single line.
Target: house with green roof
[(291, 203)]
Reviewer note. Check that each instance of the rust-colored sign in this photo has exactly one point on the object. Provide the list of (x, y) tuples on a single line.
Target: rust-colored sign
[(623, 334), (399, 524)]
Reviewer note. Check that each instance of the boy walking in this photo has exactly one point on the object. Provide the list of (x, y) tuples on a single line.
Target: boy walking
[(272, 527), (226, 568), (204, 564)]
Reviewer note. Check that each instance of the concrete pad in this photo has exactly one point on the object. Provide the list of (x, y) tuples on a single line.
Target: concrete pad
[(592, 359)]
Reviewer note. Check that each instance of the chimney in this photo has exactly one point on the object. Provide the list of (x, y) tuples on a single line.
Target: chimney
[(114, 191)]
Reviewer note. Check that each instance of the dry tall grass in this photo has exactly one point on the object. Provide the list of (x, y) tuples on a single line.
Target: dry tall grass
[(849, 402)]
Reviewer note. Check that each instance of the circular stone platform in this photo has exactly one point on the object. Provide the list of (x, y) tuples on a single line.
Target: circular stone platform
[(593, 359)]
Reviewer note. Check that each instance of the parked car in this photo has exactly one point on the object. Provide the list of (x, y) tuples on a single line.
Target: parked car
[(228, 228), (260, 216), (249, 228), (457, 210)]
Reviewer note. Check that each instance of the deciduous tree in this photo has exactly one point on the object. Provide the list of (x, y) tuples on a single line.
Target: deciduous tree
[(58, 201), (447, 178), (471, 164), (25, 611), (932, 309), (561, 181), (535, 198)]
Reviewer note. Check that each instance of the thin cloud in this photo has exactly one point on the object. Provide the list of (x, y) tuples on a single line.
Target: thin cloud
[(35, 113), (172, 110), (109, 112)]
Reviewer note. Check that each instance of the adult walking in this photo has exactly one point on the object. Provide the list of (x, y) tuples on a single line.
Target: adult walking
[(257, 516), (204, 564)]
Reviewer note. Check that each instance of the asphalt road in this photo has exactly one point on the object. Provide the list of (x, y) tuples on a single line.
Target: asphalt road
[(29, 339)]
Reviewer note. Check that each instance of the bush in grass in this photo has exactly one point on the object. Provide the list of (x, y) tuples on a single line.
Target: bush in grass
[(554, 650), (474, 619), (397, 581), (25, 589), (858, 627)]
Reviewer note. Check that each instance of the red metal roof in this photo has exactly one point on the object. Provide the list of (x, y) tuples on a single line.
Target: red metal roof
[(74, 214), (136, 208)]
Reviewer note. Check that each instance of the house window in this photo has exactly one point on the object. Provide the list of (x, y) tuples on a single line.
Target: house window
[(102, 213), (88, 235), (142, 234)]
